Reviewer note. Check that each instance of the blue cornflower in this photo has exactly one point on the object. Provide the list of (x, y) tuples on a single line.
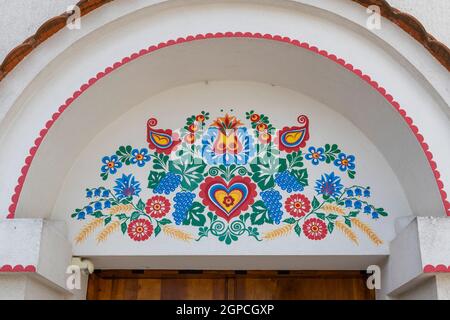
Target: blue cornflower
[(127, 186), (329, 185)]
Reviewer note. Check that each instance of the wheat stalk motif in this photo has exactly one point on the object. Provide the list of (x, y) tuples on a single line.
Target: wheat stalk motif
[(87, 230), (279, 232), (121, 208), (368, 231), (330, 208), (106, 232), (347, 232), (176, 233)]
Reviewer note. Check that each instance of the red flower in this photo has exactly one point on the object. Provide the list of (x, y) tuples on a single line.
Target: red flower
[(315, 229), (200, 118), (228, 201), (193, 128), (265, 137), (140, 230), (190, 138), (297, 205), (255, 117), (157, 206), (261, 127)]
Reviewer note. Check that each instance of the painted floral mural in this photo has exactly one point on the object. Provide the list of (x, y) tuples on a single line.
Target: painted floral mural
[(226, 180)]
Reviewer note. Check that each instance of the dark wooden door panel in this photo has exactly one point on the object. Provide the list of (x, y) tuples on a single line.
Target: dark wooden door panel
[(301, 289), (227, 285)]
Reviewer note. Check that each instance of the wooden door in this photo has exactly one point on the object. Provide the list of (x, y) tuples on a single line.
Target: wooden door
[(228, 285)]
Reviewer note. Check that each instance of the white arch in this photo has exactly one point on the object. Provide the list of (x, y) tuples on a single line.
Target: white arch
[(108, 37)]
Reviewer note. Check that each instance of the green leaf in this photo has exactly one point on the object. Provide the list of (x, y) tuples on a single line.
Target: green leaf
[(154, 178), (192, 174), (295, 160), (265, 169), (160, 162), (253, 231), (104, 175), (298, 230), (331, 151), (332, 217), (260, 214), (203, 231), (141, 205), (124, 154), (321, 216), (157, 230), (135, 215), (121, 216), (290, 220), (315, 203), (301, 176), (244, 217), (348, 222), (164, 221), (212, 216), (124, 227), (381, 212), (353, 214), (98, 214), (351, 174), (330, 227), (195, 216), (107, 220)]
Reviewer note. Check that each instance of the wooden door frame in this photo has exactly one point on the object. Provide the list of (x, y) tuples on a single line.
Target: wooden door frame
[(229, 275)]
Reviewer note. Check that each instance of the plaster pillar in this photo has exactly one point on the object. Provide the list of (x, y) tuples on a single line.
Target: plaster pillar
[(34, 256), (419, 263)]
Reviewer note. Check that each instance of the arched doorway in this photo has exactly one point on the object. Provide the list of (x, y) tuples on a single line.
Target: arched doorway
[(231, 74)]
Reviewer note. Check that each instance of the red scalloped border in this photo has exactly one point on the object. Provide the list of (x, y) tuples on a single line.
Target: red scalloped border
[(297, 43), (17, 268), (434, 269)]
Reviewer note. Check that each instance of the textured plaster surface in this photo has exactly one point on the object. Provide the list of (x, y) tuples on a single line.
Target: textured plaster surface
[(20, 18)]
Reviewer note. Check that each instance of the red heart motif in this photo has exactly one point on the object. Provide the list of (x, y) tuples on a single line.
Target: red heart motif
[(228, 200)]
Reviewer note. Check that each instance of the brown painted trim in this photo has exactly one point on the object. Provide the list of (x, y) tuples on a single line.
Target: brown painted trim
[(45, 31), (414, 28), (405, 21)]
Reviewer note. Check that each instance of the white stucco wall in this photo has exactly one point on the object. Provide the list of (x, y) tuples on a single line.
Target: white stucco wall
[(20, 18), (433, 14)]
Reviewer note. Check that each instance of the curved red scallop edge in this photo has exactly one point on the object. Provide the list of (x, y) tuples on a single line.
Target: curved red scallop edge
[(440, 268), (190, 38), (17, 268)]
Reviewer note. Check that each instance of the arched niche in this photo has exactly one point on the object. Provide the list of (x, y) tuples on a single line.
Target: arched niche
[(274, 61)]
